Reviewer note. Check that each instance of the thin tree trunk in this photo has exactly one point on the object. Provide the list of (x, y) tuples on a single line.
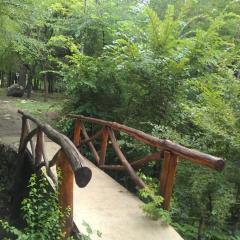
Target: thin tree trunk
[(85, 6), (29, 86), (2, 80), (45, 88), (200, 228)]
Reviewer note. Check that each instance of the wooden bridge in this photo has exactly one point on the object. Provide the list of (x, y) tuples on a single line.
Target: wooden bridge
[(93, 195)]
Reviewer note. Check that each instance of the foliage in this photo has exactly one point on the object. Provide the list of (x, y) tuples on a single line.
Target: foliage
[(150, 195), (41, 213), (90, 232)]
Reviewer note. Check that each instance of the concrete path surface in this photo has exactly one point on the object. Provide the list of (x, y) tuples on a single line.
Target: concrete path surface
[(111, 209)]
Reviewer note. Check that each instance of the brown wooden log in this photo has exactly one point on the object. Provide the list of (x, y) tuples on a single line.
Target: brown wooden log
[(26, 140), (77, 133), (90, 144), (167, 177), (104, 144), (24, 131), (82, 173), (96, 135), (113, 167), (31, 140), (149, 158), (39, 147), (66, 191), (137, 180), (185, 153), (47, 165), (136, 164)]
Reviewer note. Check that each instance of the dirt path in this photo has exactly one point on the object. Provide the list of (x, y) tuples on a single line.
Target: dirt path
[(10, 123)]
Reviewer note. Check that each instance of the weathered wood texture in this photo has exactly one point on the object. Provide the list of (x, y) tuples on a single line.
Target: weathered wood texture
[(135, 164), (90, 144), (66, 191), (137, 180), (77, 133), (167, 177), (39, 147), (104, 144)]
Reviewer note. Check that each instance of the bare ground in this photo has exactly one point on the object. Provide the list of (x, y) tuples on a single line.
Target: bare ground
[(10, 123)]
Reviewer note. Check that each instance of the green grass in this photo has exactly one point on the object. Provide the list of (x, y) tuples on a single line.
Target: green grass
[(36, 105)]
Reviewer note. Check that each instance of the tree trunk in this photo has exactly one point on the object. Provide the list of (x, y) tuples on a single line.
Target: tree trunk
[(85, 6), (200, 228), (2, 79), (9, 79), (22, 75), (29, 86), (45, 88)]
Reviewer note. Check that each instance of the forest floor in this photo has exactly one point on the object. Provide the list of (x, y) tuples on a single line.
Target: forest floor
[(10, 120)]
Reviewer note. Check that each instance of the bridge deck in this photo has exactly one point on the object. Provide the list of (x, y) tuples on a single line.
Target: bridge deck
[(108, 207)]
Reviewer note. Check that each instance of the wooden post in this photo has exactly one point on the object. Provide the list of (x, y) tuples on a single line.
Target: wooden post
[(167, 177), (77, 133), (24, 131), (31, 141), (66, 192), (103, 147), (39, 148)]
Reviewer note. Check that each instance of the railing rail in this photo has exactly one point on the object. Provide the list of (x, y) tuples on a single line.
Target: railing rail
[(68, 159), (169, 151)]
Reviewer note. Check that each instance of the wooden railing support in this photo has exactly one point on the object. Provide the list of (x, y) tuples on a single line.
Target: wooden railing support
[(39, 148), (66, 191), (104, 144), (90, 144), (137, 180), (24, 132), (168, 171), (31, 141), (77, 133)]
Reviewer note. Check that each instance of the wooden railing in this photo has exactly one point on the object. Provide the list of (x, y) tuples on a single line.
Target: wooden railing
[(68, 159), (168, 151)]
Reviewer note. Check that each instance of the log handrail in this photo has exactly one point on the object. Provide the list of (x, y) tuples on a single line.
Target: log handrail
[(170, 153), (76, 160), (183, 152)]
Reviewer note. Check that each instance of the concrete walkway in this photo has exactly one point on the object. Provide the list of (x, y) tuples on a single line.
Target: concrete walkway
[(111, 209)]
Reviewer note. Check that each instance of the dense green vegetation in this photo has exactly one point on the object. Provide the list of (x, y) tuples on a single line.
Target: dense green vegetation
[(43, 216), (169, 67)]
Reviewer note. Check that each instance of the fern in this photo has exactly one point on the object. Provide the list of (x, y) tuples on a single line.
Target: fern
[(162, 33)]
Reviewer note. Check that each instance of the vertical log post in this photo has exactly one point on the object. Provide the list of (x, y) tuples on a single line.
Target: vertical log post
[(66, 191), (39, 148), (104, 144), (167, 177), (24, 131), (77, 133), (31, 141)]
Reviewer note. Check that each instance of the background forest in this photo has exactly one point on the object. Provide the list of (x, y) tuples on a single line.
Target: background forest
[(167, 67)]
